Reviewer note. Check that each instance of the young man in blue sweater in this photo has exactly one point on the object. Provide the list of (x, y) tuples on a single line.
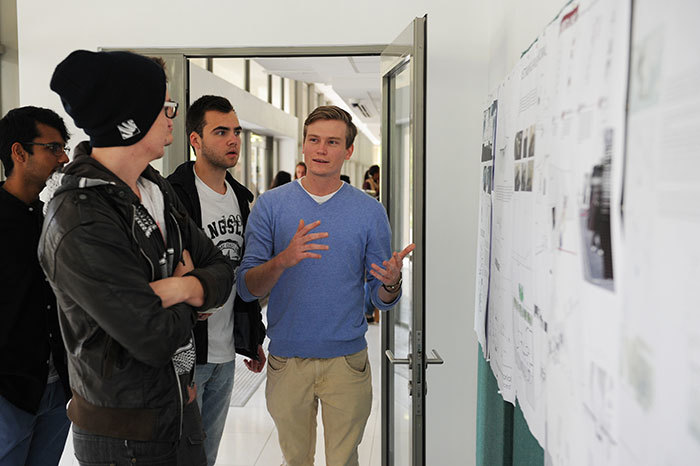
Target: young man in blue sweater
[(316, 323)]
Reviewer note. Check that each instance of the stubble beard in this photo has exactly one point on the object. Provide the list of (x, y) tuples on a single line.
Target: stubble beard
[(217, 161)]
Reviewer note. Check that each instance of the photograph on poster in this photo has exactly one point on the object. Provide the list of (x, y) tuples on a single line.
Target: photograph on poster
[(528, 177), (525, 142), (595, 220), (524, 145), (488, 131), (518, 150), (486, 179), (522, 175), (531, 143)]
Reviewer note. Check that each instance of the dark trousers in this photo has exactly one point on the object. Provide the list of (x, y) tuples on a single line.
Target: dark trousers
[(91, 450), (34, 439)]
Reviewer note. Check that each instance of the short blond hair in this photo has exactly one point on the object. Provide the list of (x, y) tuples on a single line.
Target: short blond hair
[(331, 112)]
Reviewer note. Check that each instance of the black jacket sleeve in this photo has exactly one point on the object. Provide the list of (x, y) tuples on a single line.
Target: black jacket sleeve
[(99, 274), (94, 268)]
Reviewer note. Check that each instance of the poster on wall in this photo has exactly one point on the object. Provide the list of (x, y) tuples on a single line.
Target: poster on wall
[(554, 308), (484, 240), (587, 152), (527, 133), (660, 362), (499, 323)]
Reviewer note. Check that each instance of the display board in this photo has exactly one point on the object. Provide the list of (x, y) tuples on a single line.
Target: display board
[(586, 259)]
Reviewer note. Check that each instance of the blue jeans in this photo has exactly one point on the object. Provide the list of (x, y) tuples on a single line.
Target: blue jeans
[(214, 386), (91, 449), (34, 439)]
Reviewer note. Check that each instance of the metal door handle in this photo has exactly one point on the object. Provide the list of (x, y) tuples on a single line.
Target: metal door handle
[(436, 360), (393, 360)]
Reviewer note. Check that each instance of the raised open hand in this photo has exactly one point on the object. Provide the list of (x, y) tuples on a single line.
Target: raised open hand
[(300, 247), (391, 272)]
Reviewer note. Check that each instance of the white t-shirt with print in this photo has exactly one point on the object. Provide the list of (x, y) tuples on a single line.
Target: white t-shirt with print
[(223, 224)]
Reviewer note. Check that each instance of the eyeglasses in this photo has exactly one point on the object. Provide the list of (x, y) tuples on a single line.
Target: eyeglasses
[(57, 149), (170, 108)]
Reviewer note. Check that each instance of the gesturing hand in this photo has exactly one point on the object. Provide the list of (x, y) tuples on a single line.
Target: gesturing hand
[(299, 247), (390, 273)]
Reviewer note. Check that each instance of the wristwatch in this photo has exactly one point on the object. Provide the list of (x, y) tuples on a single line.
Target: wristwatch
[(395, 287)]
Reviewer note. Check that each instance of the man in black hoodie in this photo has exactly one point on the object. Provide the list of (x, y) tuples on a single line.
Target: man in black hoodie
[(129, 267), (33, 375), (220, 205)]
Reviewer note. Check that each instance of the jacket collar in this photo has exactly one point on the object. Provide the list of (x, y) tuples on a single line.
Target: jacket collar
[(183, 176), (85, 171)]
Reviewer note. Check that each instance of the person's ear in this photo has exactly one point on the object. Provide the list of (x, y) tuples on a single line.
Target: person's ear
[(19, 155), (349, 151), (196, 141)]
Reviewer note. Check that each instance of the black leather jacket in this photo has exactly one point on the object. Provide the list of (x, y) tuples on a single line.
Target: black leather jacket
[(100, 249), (248, 329)]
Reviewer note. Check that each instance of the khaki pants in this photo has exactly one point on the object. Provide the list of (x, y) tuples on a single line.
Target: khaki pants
[(344, 387)]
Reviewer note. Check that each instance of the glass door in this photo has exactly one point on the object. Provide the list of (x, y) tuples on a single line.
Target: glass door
[(403, 195)]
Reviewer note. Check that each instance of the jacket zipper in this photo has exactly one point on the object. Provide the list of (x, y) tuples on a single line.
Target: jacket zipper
[(179, 392), (177, 377), (179, 233), (133, 234)]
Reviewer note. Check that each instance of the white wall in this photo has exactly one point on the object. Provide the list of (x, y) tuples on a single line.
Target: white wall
[(512, 26), (464, 61), (254, 114), (9, 68)]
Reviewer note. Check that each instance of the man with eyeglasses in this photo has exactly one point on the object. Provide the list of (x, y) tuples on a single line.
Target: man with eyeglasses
[(33, 376), (220, 205), (129, 268)]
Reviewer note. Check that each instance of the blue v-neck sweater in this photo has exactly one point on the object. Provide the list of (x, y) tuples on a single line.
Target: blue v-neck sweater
[(316, 308)]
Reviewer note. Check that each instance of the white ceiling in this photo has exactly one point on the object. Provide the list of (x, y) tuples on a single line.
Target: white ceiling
[(355, 79)]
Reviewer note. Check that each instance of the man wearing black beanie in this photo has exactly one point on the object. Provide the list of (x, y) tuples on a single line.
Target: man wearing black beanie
[(129, 268)]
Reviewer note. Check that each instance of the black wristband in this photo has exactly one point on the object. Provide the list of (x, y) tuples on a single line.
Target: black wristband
[(395, 287)]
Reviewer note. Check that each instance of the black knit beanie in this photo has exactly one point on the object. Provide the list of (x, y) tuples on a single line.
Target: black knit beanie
[(113, 96)]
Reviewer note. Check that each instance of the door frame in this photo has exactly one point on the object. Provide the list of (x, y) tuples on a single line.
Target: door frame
[(418, 360)]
